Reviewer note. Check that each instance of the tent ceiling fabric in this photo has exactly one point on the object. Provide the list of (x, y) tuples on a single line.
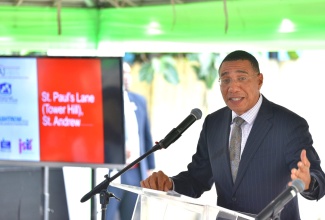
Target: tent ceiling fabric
[(181, 27), (96, 3)]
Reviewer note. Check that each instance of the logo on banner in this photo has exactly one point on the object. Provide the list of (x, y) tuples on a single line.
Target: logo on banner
[(6, 93), (5, 89), (25, 146), (5, 145)]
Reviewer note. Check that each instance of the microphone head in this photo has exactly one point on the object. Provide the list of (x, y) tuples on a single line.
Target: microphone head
[(197, 113), (298, 184)]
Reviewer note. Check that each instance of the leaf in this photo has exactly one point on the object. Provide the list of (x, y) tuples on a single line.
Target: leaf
[(293, 55), (146, 72), (210, 79), (192, 57), (196, 69), (206, 60), (203, 65), (170, 73), (156, 64), (168, 69), (193, 60)]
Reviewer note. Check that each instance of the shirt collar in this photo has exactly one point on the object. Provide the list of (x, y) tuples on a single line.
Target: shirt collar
[(251, 114)]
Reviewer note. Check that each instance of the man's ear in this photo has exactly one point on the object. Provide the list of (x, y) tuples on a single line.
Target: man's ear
[(261, 78)]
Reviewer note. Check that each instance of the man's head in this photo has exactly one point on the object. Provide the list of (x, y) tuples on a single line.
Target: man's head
[(127, 77), (240, 81)]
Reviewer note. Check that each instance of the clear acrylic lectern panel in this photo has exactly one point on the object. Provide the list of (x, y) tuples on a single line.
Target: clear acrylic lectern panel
[(157, 205)]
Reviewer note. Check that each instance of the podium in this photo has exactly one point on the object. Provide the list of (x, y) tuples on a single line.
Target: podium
[(158, 205)]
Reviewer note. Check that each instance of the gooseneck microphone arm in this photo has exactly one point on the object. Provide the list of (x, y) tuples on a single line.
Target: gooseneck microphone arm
[(108, 180), (170, 138)]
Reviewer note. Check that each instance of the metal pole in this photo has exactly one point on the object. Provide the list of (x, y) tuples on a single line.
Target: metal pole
[(46, 195), (93, 199)]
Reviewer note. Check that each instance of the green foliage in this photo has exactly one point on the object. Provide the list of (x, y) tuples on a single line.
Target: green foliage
[(168, 69), (164, 65), (146, 72), (293, 55), (203, 65)]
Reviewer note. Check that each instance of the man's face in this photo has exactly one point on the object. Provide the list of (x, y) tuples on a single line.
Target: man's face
[(240, 85), (127, 77)]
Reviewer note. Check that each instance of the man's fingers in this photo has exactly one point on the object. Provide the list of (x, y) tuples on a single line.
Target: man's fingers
[(302, 172), (162, 180), (152, 181), (149, 182), (304, 164), (304, 159), (157, 181)]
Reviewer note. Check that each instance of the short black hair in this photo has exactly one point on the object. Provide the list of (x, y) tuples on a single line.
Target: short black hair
[(242, 55)]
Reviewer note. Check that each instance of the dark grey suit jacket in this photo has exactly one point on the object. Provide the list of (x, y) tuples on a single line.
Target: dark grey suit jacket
[(272, 149)]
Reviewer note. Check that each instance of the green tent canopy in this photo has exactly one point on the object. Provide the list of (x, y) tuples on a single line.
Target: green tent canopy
[(246, 24)]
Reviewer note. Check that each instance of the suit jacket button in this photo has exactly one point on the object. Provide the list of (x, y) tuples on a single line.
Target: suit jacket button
[(233, 199)]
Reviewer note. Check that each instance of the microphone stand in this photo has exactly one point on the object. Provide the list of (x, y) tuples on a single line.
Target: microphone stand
[(170, 138), (102, 187)]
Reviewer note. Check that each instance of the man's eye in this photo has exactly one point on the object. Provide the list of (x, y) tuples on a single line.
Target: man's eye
[(225, 81), (242, 78)]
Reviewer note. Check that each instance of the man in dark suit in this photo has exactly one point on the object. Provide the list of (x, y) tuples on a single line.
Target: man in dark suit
[(138, 141), (276, 147)]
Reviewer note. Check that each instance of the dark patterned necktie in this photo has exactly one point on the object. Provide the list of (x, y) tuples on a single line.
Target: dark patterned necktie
[(234, 146)]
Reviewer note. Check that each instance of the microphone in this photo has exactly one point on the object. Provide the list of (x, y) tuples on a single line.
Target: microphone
[(175, 133), (170, 138), (276, 206)]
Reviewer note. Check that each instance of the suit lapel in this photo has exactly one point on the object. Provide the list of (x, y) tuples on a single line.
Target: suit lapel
[(225, 143), (259, 130), (221, 132)]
